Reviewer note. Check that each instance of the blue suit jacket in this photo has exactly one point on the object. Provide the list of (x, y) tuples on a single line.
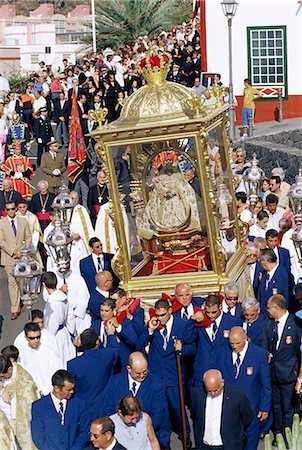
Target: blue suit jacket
[(88, 271), (163, 362), (254, 376), (280, 281), (93, 370), (236, 416), (259, 271), (285, 364), (126, 340), (284, 258), (138, 321), (94, 304), (151, 393), (207, 351), (255, 329), (47, 431)]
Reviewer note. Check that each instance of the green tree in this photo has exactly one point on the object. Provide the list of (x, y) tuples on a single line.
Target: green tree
[(123, 21)]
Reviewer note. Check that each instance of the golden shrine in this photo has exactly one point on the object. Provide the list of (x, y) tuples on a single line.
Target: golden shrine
[(181, 189)]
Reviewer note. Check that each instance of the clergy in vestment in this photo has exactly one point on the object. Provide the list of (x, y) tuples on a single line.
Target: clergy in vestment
[(39, 360), (17, 393), (7, 437), (56, 313)]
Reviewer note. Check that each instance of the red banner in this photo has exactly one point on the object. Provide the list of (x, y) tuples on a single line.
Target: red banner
[(77, 149)]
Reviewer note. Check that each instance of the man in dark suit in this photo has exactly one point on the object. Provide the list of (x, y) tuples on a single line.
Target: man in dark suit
[(254, 320), (43, 133), (136, 380), (221, 414), (213, 338), (281, 337), (83, 109), (245, 366), (102, 435), (62, 109), (254, 270), (184, 295), (123, 332), (274, 281), (97, 196), (137, 316), (59, 420), (166, 335), (8, 195), (230, 302), (93, 370), (94, 263), (99, 294), (272, 237)]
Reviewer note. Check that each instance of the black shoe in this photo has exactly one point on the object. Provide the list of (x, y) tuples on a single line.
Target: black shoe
[(189, 442), (261, 436), (274, 443)]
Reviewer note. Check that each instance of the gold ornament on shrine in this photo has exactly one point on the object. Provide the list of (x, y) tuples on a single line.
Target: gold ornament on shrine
[(184, 226)]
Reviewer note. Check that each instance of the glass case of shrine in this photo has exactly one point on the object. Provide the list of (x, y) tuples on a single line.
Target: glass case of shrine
[(172, 202)]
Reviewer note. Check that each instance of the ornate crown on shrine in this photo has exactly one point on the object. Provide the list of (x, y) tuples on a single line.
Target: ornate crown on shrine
[(155, 66)]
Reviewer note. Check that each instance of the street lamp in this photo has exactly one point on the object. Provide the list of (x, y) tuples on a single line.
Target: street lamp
[(229, 8), (295, 196), (27, 272)]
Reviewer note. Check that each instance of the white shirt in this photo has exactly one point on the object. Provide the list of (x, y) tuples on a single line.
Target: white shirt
[(137, 385), (39, 103), (103, 293), (103, 334), (252, 268), (190, 310), (169, 325), (242, 354), (281, 326), (257, 231), (57, 402), (226, 310), (212, 422), (271, 273), (95, 260), (111, 446), (274, 219), (209, 328)]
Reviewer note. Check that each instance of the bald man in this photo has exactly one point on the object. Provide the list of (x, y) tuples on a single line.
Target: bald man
[(245, 365), (221, 414), (103, 281), (97, 261), (136, 380)]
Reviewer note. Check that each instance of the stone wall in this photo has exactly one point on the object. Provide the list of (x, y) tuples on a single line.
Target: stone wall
[(283, 149)]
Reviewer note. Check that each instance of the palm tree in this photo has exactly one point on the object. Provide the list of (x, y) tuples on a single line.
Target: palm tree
[(123, 21)]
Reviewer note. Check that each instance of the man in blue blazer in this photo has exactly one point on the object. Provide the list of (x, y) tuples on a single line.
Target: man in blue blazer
[(137, 381), (164, 342), (213, 339), (272, 237), (123, 333), (213, 399), (275, 280), (184, 295), (230, 302), (96, 262), (60, 420), (93, 370), (245, 366), (281, 337), (103, 282), (254, 320)]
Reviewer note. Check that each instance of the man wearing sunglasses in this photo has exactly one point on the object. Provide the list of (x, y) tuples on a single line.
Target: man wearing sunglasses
[(102, 435), (13, 231), (231, 304)]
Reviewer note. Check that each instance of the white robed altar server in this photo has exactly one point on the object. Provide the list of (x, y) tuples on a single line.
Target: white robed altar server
[(105, 231), (78, 297), (56, 315), (41, 364), (47, 340)]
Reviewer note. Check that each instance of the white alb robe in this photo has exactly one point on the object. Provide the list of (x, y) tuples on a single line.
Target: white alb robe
[(287, 243), (78, 298), (56, 313), (41, 364), (80, 224)]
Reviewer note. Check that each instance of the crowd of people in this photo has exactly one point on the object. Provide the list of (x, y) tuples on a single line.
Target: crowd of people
[(92, 369)]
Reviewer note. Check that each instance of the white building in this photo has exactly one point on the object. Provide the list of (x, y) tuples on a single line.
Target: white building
[(267, 48)]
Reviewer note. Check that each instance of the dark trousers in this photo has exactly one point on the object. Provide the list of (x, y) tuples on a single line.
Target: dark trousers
[(174, 411), (252, 435), (283, 407), (41, 147)]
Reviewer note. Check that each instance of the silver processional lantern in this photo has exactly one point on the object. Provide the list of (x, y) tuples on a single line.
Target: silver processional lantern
[(60, 238), (64, 204), (252, 178), (27, 272), (295, 196)]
